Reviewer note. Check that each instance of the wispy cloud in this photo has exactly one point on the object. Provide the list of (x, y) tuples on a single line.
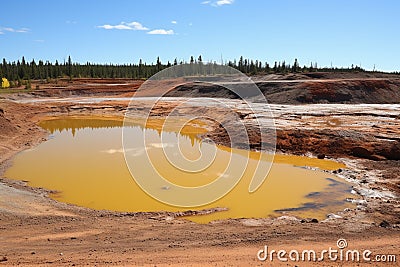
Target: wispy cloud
[(39, 40), (23, 30), (9, 29), (137, 26), (224, 2), (133, 26), (161, 31), (218, 3)]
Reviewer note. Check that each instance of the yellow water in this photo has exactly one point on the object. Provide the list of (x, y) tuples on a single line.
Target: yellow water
[(84, 162)]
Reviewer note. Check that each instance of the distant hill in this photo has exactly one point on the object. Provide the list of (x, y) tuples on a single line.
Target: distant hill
[(309, 88)]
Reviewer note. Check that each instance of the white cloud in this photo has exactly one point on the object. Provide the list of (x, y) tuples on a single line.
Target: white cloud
[(23, 30), (9, 29), (224, 2), (115, 27), (133, 26), (218, 3), (161, 31), (39, 40), (137, 26)]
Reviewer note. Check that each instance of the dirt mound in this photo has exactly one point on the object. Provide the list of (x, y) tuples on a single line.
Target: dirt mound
[(17, 129), (369, 91), (201, 90), (85, 87), (6, 127), (335, 144), (293, 88), (355, 91)]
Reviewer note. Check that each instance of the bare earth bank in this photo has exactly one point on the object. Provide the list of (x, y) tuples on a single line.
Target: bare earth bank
[(36, 230)]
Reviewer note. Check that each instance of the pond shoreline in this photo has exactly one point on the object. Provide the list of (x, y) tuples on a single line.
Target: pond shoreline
[(66, 224)]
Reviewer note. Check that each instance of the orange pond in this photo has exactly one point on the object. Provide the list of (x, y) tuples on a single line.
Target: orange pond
[(84, 162)]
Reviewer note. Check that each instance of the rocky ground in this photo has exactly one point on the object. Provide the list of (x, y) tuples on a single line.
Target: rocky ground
[(36, 230)]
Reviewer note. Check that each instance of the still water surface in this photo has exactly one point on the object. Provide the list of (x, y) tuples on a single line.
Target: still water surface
[(84, 162)]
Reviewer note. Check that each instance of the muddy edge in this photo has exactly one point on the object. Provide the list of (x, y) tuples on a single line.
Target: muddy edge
[(374, 222), (375, 182)]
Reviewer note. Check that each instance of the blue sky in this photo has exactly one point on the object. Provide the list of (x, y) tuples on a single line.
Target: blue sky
[(328, 32)]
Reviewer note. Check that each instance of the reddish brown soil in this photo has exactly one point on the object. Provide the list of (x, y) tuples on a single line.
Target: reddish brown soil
[(351, 88), (35, 230), (348, 91)]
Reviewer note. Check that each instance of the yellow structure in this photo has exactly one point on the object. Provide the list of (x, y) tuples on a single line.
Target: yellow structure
[(5, 83)]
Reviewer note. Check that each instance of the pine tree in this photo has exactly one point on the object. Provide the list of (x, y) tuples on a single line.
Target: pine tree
[(158, 64), (69, 72), (296, 66), (140, 68), (267, 68), (275, 68), (33, 69), (241, 68)]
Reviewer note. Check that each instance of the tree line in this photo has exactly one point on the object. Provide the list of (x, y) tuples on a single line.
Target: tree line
[(20, 71)]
